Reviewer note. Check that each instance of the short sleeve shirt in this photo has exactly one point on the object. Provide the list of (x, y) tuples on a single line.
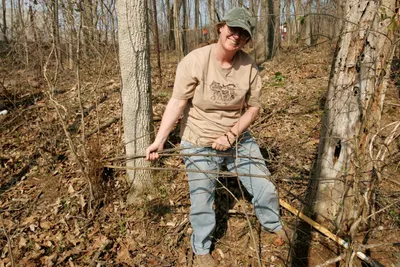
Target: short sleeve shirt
[(217, 97)]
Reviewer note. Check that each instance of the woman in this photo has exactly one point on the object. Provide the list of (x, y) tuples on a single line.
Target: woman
[(217, 87)]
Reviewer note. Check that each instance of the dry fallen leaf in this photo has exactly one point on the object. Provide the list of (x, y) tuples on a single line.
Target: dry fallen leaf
[(21, 242), (45, 225), (123, 256)]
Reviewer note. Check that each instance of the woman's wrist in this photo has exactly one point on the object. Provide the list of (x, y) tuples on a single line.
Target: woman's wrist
[(232, 133)]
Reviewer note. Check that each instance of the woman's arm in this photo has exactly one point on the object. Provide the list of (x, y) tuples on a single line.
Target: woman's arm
[(225, 142), (171, 115)]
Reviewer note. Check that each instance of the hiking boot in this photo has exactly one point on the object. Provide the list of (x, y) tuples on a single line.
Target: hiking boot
[(204, 261)]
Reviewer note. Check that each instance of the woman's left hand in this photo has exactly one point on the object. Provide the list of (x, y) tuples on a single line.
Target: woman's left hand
[(222, 143)]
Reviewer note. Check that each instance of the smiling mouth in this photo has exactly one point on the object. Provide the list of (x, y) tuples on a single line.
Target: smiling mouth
[(233, 42)]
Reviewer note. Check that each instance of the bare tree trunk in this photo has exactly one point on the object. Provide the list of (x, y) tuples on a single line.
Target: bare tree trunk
[(185, 29), (68, 12), (171, 25), (298, 13), (56, 33), (22, 32), (133, 35), (196, 22), (36, 38), (211, 12), (4, 28), (289, 28), (157, 40), (11, 20), (177, 29), (307, 30), (353, 109)]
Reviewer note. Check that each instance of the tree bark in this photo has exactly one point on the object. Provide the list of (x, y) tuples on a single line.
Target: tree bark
[(211, 12), (197, 29), (4, 28), (177, 29), (134, 58), (353, 109), (157, 41)]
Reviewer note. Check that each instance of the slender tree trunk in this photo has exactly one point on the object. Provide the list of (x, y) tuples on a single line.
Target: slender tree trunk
[(211, 9), (353, 110), (298, 14), (172, 26), (22, 32), (197, 30), (133, 36), (177, 29), (307, 32), (157, 41), (289, 28), (4, 28), (185, 29), (11, 20)]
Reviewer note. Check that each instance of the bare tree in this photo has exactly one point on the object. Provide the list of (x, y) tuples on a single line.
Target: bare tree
[(347, 175), (4, 28), (157, 39), (211, 13), (177, 28), (133, 36)]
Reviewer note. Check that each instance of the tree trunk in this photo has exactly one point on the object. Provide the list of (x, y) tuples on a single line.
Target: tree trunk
[(185, 28), (353, 109), (177, 29), (157, 41), (289, 28), (307, 27), (197, 30), (211, 12), (133, 35), (4, 28), (298, 18)]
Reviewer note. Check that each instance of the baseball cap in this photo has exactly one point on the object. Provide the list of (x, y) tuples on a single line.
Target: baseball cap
[(240, 17)]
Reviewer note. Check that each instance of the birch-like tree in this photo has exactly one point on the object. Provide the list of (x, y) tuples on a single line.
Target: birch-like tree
[(133, 35)]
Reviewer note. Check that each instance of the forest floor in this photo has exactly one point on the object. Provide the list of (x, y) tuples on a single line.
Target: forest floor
[(47, 220)]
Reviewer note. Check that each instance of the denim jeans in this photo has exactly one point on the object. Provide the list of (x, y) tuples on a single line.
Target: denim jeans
[(202, 186)]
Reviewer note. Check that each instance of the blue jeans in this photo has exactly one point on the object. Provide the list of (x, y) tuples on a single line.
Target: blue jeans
[(202, 186)]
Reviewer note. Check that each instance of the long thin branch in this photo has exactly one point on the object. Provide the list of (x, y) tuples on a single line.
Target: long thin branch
[(8, 242)]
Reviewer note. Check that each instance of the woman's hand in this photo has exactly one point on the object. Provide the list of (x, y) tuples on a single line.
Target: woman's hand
[(152, 151), (224, 142)]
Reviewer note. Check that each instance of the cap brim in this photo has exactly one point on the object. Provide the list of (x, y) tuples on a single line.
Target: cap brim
[(236, 23)]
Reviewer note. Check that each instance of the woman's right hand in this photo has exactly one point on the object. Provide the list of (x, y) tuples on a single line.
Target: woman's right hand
[(152, 151)]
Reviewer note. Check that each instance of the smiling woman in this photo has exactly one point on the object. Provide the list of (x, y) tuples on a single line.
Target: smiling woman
[(218, 88)]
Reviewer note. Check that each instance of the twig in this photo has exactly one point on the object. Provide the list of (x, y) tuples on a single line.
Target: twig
[(103, 126), (98, 253), (332, 261), (226, 174), (8, 242)]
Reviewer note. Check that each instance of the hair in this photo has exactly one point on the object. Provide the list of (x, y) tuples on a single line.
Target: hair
[(220, 25)]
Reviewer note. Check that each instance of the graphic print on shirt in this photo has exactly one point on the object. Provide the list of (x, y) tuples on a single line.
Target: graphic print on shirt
[(222, 94)]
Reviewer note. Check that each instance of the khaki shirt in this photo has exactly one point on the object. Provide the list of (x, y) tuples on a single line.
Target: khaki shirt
[(216, 97)]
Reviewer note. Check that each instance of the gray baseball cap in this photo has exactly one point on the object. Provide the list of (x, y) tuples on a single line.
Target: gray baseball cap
[(240, 17)]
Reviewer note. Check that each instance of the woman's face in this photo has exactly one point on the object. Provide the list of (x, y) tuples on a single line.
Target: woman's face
[(233, 38)]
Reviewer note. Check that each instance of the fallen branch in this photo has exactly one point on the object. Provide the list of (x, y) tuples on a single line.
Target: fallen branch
[(93, 262), (332, 261), (102, 127), (328, 233), (8, 242)]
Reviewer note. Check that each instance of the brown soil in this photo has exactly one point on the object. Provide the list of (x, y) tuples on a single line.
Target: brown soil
[(47, 220)]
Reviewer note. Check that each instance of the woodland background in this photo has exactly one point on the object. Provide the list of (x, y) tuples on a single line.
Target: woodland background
[(62, 160)]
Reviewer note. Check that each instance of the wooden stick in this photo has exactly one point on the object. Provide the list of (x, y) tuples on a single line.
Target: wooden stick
[(328, 233)]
